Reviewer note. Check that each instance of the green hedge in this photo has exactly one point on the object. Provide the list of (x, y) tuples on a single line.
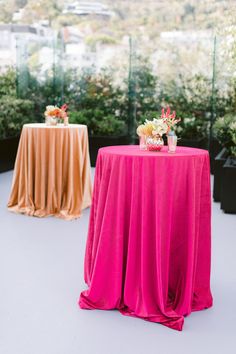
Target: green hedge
[(224, 130), (8, 83), (13, 114), (102, 102), (98, 123)]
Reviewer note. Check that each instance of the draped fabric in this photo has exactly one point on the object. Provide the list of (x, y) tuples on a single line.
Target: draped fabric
[(52, 171), (149, 241)]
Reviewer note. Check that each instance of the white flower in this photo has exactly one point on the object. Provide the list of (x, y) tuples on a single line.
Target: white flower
[(160, 127), (50, 108), (117, 112)]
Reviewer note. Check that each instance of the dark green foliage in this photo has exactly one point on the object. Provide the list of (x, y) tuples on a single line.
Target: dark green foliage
[(13, 114), (145, 85), (101, 102), (8, 83), (98, 124), (224, 130), (96, 101)]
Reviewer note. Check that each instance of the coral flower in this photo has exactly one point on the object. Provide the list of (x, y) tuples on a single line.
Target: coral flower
[(64, 107)]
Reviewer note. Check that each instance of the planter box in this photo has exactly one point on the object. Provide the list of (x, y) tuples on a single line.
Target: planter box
[(228, 187), (8, 150), (218, 171), (214, 150), (195, 143), (96, 142)]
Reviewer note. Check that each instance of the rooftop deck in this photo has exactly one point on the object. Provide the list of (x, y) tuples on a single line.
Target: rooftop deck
[(41, 275)]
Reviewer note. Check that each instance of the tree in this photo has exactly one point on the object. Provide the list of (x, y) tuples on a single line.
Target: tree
[(7, 8), (42, 10)]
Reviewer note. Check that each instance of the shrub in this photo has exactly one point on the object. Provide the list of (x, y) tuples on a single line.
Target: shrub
[(97, 100), (98, 123), (192, 128), (191, 98), (145, 90), (8, 83), (108, 125), (99, 38), (224, 130), (94, 100), (97, 91), (13, 114)]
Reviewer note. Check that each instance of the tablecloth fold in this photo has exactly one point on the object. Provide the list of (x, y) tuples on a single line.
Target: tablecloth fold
[(52, 172), (149, 241)]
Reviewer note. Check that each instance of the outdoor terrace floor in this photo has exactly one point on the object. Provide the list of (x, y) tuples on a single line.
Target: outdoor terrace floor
[(41, 277)]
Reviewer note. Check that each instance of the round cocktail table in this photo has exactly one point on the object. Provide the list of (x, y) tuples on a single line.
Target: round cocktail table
[(149, 241)]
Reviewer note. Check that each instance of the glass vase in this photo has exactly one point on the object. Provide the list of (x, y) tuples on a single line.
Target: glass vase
[(51, 121), (66, 121), (154, 143), (142, 142), (172, 142)]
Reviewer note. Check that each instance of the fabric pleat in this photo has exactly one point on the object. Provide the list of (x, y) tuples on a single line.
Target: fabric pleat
[(149, 241)]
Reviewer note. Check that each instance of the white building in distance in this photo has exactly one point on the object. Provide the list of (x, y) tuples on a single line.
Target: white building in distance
[(85, 8), (16, 38)]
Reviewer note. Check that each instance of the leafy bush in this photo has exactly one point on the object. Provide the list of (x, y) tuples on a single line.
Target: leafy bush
[(45, 93), (78, 118), (233, 137), (13, 114), (94, 100), (100, 38), (107, 107), (97, 91), (145, 90), (8, 83), (192, 128), (98, 124), (108, 125), (224, 130)]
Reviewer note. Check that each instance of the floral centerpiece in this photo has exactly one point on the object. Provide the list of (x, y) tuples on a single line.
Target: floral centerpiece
[(169, 119), (54, 115), (151, 132)]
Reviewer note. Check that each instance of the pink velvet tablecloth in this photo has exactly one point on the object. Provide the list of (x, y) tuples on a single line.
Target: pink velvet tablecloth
[(149, 241)]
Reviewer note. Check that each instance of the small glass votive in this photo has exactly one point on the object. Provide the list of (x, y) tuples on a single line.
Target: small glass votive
[(66, 120), (51, 120), (142, 142), (172, 142)]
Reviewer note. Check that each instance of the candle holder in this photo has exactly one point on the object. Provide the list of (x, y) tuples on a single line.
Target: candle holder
[(154, 143)]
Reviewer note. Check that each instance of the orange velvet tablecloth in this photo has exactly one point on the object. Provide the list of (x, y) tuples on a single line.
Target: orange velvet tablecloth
[(52, 173)]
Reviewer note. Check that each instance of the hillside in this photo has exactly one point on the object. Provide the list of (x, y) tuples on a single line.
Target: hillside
[(131, 16)]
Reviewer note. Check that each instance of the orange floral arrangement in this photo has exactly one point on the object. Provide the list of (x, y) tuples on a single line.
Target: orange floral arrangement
[(56, 112)]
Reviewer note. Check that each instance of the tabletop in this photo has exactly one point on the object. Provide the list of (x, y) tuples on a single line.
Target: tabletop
[(58, 126), (134, 150)]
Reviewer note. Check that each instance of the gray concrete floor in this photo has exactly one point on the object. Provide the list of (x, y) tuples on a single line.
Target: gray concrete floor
[(41, 277)]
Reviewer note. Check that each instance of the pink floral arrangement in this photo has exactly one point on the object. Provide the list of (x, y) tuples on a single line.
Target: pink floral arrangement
[(169, 119), (158, 126)]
